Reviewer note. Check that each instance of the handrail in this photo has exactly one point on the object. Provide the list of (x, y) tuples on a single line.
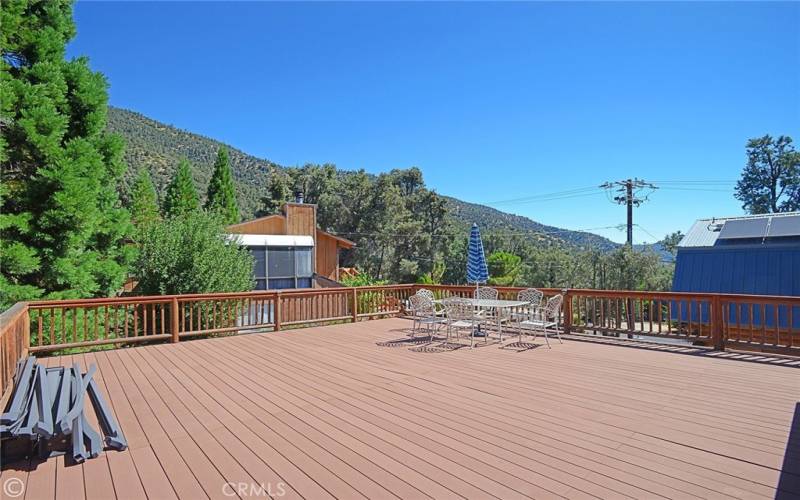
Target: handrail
[(220, 295), (14, 342), (623, 293)]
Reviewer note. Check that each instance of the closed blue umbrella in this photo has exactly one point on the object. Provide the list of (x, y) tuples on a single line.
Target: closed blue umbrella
[(476, 260)]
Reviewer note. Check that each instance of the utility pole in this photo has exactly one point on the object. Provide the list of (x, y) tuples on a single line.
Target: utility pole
[(626, 192), (629, 202)]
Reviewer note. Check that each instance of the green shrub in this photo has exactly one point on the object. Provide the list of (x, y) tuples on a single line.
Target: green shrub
[(361, 279), (191, 254), (367, 301)]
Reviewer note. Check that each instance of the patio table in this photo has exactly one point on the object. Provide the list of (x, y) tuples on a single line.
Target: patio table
[(497, 304)]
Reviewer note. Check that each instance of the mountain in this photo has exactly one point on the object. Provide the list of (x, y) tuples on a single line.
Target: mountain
[(491, 219), (159, 147), (659, 249)]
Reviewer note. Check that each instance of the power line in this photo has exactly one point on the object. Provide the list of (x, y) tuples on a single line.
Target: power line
[(557, 194), (647, 232), (541, 200), (710, 190), (628, 192), (489, 231), (695, 181)]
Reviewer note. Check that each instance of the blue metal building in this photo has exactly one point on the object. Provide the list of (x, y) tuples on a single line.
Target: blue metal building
[(757, 254)]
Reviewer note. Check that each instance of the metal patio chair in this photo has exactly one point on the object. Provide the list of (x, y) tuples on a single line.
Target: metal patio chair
[(461, 315), (424, 314), (534, 299), (486, 293), (429, 295), (542, 320)]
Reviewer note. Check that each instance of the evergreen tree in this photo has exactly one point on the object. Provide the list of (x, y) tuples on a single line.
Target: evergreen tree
[(278, 193), (181, 196), (144, 201), (770, 182), (504, 268), (62, 225), (222, 191)]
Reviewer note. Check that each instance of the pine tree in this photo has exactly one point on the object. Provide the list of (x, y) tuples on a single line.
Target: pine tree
[(222, 191), (62, 225), (278, 193), (770, 182), (181, 196), (144, 201)]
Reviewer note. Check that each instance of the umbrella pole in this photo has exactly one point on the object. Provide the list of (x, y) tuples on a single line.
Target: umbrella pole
[(477, 286)]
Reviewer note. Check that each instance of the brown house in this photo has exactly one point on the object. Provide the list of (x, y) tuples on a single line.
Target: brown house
[(289, 249)]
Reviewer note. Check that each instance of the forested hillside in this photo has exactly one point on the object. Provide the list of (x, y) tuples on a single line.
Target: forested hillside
[(403, 231), (159, 147), (494, 220)]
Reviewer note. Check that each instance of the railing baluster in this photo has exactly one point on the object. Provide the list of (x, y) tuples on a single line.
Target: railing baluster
[(106, 329), (775, 308), (52, 326)]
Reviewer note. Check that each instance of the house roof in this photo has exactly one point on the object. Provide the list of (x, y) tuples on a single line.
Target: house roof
[(344, 242), (706, 232), (275, 240), (257, 219)]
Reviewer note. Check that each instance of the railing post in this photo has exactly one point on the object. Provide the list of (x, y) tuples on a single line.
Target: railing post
[(175, 320), (26, 332), (717, 330), (278, 309), (355, 305), (567, 323)]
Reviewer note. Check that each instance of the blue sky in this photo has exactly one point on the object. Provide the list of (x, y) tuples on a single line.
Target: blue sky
[(492, 101)]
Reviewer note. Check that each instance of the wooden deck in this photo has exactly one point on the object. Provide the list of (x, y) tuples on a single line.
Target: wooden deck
[(344, 411)]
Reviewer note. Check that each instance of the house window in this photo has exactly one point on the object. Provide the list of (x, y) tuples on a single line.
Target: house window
[(278, 268)]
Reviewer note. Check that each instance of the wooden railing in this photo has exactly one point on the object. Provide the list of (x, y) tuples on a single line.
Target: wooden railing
[(760, 322), (60, 324), (14, 341), (750, 322)]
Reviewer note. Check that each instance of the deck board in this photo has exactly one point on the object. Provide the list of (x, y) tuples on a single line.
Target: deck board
[(357, 411)]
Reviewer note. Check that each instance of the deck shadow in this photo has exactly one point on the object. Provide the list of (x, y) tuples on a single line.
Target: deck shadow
[(405, 342), (437, 347), (689, 350), (789, 481), (521, 346)]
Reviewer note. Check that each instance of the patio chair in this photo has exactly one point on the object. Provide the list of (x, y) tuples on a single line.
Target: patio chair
[(486, 292), (460, 316), (534, 299), (429, 295), (543, 319), (425, 314), (489, 315)]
